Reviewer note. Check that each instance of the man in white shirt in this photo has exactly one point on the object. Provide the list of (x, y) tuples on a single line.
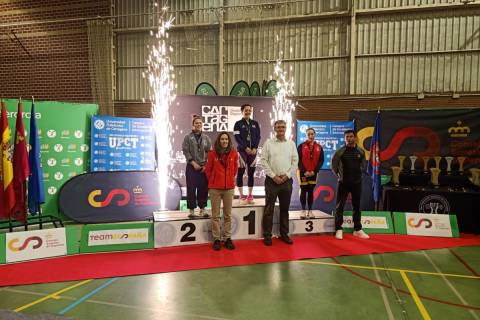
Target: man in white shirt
[(279, 159)]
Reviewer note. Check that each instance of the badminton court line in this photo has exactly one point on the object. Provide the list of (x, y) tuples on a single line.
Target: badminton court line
[(391, 269), (52, 295), (88, 295)]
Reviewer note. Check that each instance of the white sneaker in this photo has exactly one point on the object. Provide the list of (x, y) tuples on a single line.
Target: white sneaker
[(303, 215), (339, 234), (204, 213), (361, 234), (192, 213), (310, 214)]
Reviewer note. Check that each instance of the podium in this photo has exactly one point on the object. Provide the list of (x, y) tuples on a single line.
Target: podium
[(175, 228)]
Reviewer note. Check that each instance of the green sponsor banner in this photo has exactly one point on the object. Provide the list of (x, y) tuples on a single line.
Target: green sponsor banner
[(400, 222), (64, 137), (205, 89), (422, 224), (3, 253), (255, 89), (271, 88), (240, 88), (454, 226), (73, 233), (116, 237), (372, 222)]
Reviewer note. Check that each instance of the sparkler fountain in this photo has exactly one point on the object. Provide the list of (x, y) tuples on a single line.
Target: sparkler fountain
[(284, 106), (162, 93)]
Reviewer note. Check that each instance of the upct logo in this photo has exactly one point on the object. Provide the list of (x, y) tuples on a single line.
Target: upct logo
[(427, 222), (13, 247), (123, 201)]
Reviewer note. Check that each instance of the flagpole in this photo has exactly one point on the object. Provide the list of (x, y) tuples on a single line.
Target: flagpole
[(377, 203)]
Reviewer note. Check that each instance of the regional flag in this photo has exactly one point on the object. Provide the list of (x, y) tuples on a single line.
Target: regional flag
[(374, 162), (36, 193), (21, 169), (7, 194)]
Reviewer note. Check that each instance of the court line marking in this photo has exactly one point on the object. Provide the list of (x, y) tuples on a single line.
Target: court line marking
[(88, 295), (52, 295), (390, 269), (127, 306), (382, 291), (34, 293), (391, 286), (450, 285), (415, 297), (113, 304), (464, 262)]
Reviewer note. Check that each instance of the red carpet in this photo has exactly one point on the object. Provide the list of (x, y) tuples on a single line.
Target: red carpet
[(128, 263)]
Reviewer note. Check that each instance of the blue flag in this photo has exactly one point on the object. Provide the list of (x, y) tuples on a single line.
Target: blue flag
[(374, 162), (36, 193)]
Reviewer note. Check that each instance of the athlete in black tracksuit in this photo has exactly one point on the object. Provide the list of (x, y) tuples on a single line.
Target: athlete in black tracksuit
[(347, 164)]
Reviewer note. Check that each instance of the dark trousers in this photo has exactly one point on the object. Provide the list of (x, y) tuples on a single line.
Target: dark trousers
[(342, 193), (272, 191), (250, 173), (248, 160), (306, 193), (197, 188)]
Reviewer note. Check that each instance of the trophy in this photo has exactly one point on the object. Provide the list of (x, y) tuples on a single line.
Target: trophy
[(461, 160), (434, 178), (425, 164), (396, 175), (412, 166), (401, 159), (437, 161), (475, 178), (449, 164)]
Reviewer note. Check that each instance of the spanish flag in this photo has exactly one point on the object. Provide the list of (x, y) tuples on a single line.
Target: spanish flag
[(7, 194), (21, 169)]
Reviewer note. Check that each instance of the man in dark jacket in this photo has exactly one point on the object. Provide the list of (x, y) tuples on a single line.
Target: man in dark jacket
[(347, 164)]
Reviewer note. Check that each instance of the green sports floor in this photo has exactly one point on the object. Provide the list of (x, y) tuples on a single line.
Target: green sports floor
[(433, 284)]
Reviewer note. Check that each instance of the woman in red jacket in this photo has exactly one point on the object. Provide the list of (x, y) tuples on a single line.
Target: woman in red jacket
[(310, 155), (221, 168)]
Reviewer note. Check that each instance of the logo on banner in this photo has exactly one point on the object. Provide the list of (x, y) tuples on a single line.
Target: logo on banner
[(51, 133), (28, 245), (424, 223), (368, 222), (122, 142), (220, 118), (459, 131), (36, 243), (435, 204), (120, 236), (303, 128), (328, 195), (123, 200), (58, 176), (52, 190), (99, 124)]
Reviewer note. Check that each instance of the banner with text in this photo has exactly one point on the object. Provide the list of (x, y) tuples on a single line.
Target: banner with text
[(328, 133), (122, 144), (30, 245), (116, 237), (424, 224), (64, 138)]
